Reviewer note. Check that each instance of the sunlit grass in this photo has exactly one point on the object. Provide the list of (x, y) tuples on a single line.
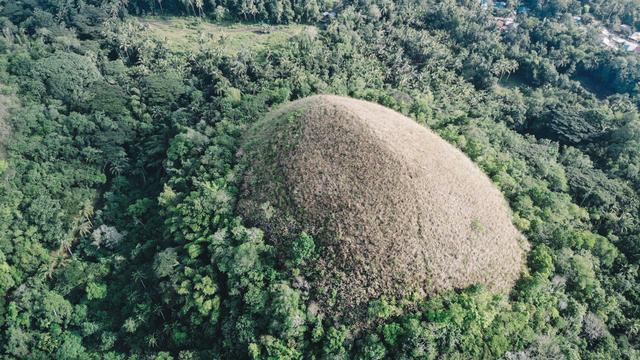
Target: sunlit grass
[(194, 33)]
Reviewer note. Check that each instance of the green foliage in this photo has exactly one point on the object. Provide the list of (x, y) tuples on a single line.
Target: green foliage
[(382, 309), (67, 76), (163, 89), (165, 262), (302, 248), (96, 291), (541, 261)]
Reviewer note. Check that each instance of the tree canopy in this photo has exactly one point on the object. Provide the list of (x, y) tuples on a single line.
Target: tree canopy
[(119, 177)]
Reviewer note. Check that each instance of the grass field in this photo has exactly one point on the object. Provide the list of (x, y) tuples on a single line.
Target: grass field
[(192, 34)]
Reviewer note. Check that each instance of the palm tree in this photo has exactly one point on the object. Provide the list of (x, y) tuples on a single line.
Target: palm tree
[(65, 245), (200, 6), (53, 265), (157, 309), (504, 66), (189, 5), (152, 341), (84, 220), (139, 275)]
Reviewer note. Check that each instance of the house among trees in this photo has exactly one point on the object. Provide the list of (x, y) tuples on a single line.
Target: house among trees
[(505, 23), (616, 41), (608, 43)]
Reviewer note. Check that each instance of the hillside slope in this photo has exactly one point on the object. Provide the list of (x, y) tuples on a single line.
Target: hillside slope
[(394, 209)]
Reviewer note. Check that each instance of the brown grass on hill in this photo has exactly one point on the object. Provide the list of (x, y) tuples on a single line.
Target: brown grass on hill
[(394, 209)]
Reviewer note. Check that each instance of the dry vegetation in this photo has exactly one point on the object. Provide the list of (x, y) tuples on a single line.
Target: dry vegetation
[(394, 209)]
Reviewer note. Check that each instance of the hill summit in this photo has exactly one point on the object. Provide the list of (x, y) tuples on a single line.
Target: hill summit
[(394, 209)]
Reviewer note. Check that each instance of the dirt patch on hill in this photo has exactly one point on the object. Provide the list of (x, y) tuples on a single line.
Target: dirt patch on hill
[(394, 209)]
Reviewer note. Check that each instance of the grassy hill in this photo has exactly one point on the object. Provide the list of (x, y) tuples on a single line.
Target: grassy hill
[(394, 210)]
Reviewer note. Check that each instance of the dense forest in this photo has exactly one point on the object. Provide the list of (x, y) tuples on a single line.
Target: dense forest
[(119, 177)]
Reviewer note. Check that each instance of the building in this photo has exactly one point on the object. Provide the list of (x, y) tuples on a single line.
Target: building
[(618, 39), (607, 42), (504, 23), (635, 36)]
